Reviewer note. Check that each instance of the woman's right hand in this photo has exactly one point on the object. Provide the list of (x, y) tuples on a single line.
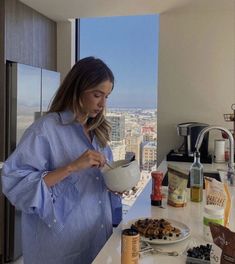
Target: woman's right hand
[(90, 158)]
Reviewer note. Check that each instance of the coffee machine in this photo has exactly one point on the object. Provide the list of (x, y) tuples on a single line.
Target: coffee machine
[(190, 131)]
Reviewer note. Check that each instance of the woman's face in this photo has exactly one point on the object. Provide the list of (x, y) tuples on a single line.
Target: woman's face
[(94, 100)]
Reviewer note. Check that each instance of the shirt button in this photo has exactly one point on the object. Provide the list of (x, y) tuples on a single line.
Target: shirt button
[(49, 225), (97, 178), (102, 226), (54, 220), (100, 202)]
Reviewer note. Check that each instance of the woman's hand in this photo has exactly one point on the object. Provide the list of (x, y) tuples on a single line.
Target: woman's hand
[(88, 159)]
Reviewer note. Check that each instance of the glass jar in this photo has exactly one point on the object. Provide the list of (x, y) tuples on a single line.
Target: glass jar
[(212, 214)]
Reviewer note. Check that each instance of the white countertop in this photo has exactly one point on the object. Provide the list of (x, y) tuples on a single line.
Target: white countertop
[(214, 167), (191, 215)]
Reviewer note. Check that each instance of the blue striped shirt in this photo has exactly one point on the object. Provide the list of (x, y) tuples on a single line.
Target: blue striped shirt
[(71, 221)]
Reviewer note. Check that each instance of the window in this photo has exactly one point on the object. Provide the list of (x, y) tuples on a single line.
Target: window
[(129, 45)]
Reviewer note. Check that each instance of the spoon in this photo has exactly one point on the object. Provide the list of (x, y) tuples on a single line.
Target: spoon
[(147, 249), (109, 165), (129, 162)]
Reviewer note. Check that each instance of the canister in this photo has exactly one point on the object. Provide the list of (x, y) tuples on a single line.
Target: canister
[(219, 150), (212, 214), (130, 246)]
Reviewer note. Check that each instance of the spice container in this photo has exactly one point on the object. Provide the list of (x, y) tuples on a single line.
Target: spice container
[(130, 246), (212, 214)]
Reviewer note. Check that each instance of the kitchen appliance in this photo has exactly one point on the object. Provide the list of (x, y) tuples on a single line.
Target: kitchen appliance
[(190, 131), (29, 91)]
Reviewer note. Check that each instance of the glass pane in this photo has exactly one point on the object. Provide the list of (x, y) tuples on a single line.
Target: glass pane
[(129, 46), (50, 83), (28, 96)]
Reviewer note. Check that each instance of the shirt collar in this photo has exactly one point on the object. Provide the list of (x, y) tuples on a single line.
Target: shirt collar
[(66, 117)]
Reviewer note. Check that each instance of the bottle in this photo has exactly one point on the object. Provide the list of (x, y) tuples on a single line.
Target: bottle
[(212, 214), (196, 179), (130, 246), (156, 195)]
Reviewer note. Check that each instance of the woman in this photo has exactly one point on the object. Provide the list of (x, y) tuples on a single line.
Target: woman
[(54, 174)]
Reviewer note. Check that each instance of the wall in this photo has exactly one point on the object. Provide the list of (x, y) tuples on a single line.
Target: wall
[(2, 76), (65, 46), (29, 38), (2, 96), (26, 37), (196, 68)]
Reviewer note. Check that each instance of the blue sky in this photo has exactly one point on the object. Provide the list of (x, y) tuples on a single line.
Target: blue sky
[(129, 45)]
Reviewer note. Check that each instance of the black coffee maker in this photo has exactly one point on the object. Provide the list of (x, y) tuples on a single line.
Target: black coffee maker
[(190, 131)]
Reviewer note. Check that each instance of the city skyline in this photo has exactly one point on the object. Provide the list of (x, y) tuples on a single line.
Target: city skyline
[(129, 45)]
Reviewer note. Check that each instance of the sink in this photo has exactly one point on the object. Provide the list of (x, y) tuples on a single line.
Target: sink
[(214, 175)]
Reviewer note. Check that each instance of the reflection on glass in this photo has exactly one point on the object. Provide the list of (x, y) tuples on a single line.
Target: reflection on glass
[(50, 83), (35, 88), (28, 96)]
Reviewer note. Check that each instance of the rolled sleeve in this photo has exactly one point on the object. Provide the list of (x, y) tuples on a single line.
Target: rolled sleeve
[(22, 179)]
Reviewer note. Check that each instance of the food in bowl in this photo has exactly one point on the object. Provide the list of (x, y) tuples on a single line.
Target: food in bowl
[(123, 175)]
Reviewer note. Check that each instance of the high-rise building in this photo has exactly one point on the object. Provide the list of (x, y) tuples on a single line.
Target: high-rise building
[(117, 122), (118, 150), (149, 155), (133, 143), (148, 128), (150, 136)]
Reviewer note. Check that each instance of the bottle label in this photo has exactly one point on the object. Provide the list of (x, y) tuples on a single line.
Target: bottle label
[(130, 247), (206, 221), (206, 228)]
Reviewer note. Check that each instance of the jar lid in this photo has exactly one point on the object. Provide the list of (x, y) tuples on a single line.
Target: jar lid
[(213, 209), (157, 173)]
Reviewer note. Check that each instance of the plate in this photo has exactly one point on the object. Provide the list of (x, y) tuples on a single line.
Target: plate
[(184, 229)]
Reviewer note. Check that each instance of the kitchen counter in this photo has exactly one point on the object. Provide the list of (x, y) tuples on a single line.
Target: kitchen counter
[(214, 167), (190, 215)]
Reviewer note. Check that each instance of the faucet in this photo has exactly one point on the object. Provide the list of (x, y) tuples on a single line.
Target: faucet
[(230, 173)]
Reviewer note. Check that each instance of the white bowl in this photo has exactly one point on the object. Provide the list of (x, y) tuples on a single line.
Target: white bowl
[(123, 177)]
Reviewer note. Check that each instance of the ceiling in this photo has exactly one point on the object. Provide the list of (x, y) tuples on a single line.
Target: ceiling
[(60, 10)]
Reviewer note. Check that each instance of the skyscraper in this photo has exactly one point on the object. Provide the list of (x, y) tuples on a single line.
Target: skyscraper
[(133, 143), (117, 122), (149, 155)]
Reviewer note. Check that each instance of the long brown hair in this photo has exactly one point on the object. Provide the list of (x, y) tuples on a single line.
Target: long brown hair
[(86, 74)]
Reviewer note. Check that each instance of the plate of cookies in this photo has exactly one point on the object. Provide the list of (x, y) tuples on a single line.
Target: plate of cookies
[(160, 231)]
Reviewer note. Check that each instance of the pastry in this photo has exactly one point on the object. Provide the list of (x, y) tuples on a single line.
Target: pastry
[(155, 228)]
